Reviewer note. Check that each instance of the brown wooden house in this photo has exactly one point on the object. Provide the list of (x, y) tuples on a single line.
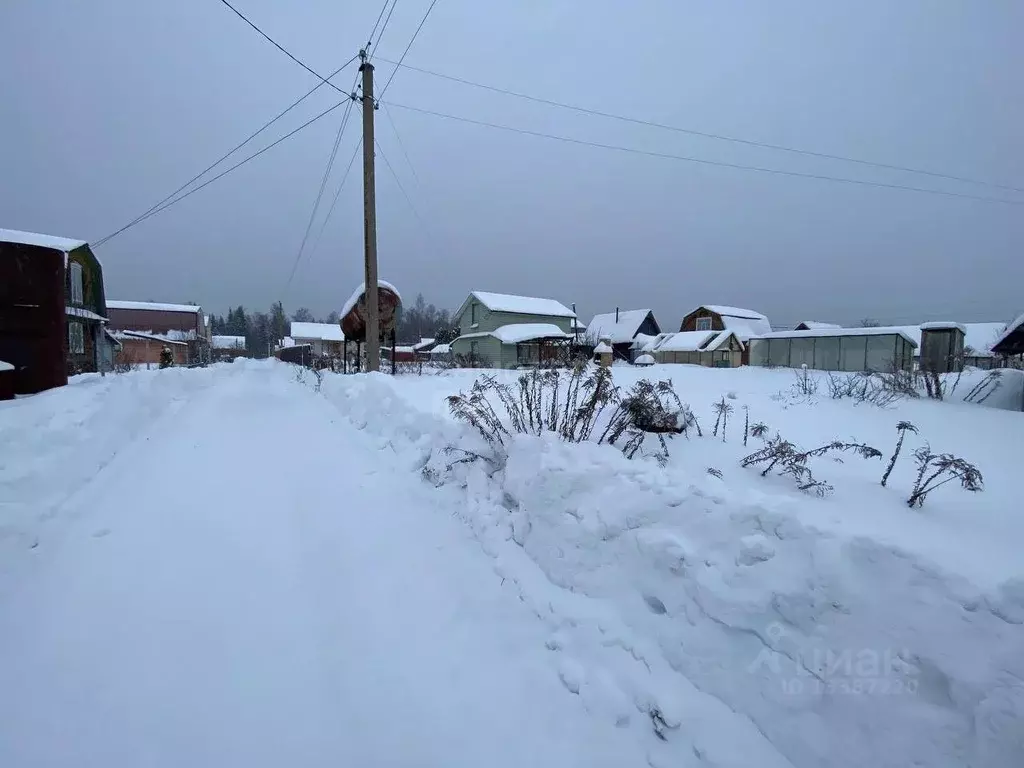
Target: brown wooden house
[(144, 328), (745, 323), (52, 309)]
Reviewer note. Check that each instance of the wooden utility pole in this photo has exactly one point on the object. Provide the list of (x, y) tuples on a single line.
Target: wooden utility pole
[(370, 220)]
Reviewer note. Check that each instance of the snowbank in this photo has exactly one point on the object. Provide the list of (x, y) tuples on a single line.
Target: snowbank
[(749, 622)]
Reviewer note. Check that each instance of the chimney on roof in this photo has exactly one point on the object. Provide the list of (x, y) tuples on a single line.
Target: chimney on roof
[(616, 315)]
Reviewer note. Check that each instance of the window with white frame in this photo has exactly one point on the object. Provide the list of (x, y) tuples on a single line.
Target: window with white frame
[(703, 323), (76, 338), (77, 292)]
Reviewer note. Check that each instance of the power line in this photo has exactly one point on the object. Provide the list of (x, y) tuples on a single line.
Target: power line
[(381, 35), (320, 193), (703, 161), (337, 194), (405, 194), (401, 144), (239, 164), (282, 49), (373, 31), (225, 156), (704, 134), (406, 51)]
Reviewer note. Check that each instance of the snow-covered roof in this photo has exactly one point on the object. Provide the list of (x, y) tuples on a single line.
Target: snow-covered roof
[(516, 333), (641, 340), (162, 338), (690, 341), (942, 326), (154, 306), (721, 309), (815, 325), (1009, 329), (644, 359), (287, 341), (682, 341), (834, 332), (62, 244), (322, 331), (422, 344), (4, 366), (360, 290), (227, 342), (603, 348), (522, 305), (720, 339), (85, 314), (621, 332), (744, 322), (441, 349)]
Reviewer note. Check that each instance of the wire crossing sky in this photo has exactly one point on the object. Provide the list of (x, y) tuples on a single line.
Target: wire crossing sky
[(883, 96)]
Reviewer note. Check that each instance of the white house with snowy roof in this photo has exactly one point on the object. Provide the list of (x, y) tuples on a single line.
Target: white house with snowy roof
[(621, 328), (500, 330), (324, 338)]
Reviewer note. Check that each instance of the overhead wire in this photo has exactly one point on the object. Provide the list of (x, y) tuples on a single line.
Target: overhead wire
[(406, 51), (705, 161), (703, 134), (401, 144), (223, 157), (369, 39), (239, 164), (320, 193), (337, 194), (401, 188), (376, 45), (281, 48)]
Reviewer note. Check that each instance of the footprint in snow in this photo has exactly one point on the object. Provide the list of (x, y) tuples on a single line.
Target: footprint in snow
[(655, 604)]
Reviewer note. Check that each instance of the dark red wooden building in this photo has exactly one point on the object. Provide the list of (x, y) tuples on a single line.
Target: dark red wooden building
[(52, 309)]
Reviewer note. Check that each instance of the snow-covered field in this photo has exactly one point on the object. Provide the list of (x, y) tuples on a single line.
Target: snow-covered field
[(226, 567)]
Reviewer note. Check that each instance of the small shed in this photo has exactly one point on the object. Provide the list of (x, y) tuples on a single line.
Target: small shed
[(942, 347), (836, 349)]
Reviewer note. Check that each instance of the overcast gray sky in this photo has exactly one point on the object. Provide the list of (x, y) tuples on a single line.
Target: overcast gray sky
[(108, 105)]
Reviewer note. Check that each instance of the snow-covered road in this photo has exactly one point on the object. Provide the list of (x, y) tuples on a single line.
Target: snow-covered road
[(225, 566), (248, 582)]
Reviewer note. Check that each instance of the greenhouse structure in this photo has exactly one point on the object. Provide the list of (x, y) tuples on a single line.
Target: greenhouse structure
[(835, 349)]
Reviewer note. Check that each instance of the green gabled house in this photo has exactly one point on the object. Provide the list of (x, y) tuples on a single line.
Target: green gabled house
[(498, 330)]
